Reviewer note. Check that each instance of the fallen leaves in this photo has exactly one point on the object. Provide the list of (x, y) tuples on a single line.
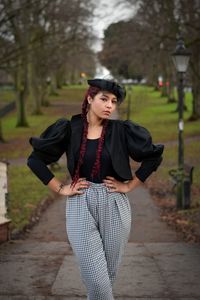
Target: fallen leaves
[(185, 222)]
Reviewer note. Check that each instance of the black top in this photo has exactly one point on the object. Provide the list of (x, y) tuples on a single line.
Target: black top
[(39, 168), (89, 160), (123, 140)]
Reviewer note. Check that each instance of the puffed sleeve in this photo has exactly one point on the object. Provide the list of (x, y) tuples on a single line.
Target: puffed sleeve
[(142, 149), (48, 148)]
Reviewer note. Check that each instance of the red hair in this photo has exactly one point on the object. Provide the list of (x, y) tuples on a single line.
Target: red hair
[(92, 92)]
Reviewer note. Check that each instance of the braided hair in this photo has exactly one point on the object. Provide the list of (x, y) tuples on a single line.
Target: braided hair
[(92, 92)]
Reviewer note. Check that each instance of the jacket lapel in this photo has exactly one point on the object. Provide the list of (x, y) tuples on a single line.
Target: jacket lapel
[(76, 133), (114, 142)]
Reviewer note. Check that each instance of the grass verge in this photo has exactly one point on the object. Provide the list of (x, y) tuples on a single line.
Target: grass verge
[(25, 194)]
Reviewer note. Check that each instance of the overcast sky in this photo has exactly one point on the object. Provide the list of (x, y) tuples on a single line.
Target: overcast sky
[(107, 12)]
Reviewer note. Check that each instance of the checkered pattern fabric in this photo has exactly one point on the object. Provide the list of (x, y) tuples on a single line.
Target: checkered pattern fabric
[(98, 227)]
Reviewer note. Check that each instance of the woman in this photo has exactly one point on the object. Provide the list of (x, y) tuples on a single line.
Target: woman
[(98, 149)]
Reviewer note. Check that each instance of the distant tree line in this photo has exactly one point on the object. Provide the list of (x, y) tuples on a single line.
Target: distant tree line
[(42, 43), (142, 46)]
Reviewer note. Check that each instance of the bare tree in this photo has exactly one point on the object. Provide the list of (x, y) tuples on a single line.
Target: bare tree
[(167, 21), (38, 37)]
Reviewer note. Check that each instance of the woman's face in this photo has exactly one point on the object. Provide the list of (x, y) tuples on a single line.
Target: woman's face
[(103, 104)]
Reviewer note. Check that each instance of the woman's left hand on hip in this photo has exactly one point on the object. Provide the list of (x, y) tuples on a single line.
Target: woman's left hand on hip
[(115, 185)]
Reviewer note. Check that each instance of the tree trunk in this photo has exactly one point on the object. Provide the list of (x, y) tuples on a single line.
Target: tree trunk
[(59, 80), (178, 104), (53, 91), (195, 68), (34, 89), (196, 102), (21, 111), (195, 93), (171, 93), (74, 78), (22, 92), (164, 90), (1, 132), (37, 101), (44, 91)]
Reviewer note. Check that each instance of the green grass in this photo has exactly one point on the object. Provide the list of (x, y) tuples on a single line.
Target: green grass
[(71, 94), (36, 125), (6, 96), (170, 160), (18, 137), (153, 112), (25, 193), (76, 87)]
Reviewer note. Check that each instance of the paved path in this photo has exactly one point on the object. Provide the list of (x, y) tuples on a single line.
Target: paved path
[(156, 264)]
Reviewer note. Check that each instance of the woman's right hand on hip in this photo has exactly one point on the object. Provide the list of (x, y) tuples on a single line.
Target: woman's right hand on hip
[(76, 189)]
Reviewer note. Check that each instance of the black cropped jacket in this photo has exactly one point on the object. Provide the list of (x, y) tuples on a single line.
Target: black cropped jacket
[(123, 139)]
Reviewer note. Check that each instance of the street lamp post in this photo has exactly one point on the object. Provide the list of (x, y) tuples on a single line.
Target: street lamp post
[(181, 59)]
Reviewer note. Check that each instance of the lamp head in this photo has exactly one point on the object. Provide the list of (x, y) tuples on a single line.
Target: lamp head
[(181, 57)]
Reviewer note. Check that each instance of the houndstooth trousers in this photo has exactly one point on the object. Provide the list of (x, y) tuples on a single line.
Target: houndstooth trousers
[(98, 225)]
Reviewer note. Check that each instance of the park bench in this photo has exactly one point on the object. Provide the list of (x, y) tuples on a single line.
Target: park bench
[(4, 221), (187, 182)]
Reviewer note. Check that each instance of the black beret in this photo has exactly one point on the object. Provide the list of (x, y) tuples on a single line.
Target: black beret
[(109, 86)]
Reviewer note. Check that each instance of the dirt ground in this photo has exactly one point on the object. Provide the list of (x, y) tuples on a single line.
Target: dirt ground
[(185, 222)]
